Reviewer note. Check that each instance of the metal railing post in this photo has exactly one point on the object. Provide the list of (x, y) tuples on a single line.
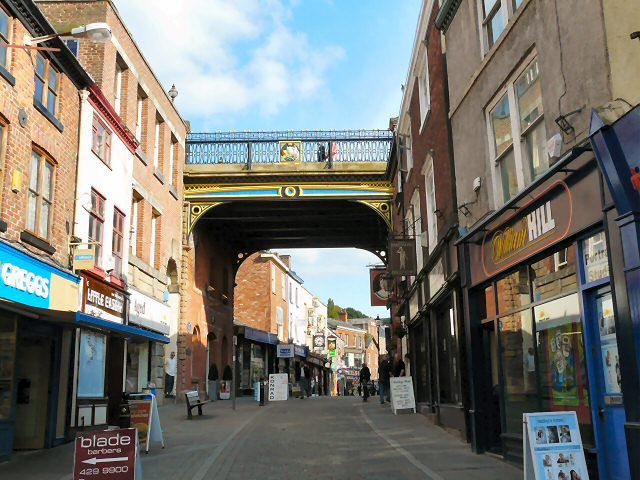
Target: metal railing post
[(249, 155)]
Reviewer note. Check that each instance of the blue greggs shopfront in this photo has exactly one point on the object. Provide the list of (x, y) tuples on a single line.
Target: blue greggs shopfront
[(39, 321)]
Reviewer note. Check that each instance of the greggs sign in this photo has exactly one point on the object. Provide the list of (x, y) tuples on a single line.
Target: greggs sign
[(539, 223)]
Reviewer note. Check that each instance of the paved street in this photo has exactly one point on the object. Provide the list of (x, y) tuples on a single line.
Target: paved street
[(327, 438)]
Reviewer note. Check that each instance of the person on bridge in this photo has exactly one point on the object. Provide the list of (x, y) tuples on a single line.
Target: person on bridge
[(365, 376), (384, 374)]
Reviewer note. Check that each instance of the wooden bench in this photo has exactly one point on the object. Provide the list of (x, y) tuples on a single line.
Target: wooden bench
[(193, 401)]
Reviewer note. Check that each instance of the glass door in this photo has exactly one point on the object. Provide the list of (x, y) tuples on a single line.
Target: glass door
[(608, 408)]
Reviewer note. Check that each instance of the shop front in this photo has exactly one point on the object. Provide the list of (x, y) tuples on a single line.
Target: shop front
[(540, 316), (145, 358), (256, 356), (36, 301), (319, 373), (101, 352), (435, 338)]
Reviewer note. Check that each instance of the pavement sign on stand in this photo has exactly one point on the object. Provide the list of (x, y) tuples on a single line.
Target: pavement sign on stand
[(107, 455), (402, 397), (552, 446), (278, 387), (145, 418)]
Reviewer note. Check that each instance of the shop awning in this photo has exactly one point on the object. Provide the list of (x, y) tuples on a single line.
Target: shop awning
[(89, 321), (82, 320)]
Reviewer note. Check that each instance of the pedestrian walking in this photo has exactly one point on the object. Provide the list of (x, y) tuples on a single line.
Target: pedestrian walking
[(360, 389), (384, 373), (170, 371), (399, 368), (365, 376), (305, 381)]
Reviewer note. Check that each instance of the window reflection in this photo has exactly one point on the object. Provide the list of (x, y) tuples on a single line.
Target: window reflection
[(513, 291), (555, 274)]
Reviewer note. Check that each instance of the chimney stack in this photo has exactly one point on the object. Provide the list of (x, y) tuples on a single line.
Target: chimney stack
[(343, 315)]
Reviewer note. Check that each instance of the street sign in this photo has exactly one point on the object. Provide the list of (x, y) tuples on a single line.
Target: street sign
[(332, 353), (278, 387), (402, 394), (285, 350), (402, 257), (106, 455), (552, 446)]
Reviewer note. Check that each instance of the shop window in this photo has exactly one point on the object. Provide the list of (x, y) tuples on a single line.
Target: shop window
[(5, 26), (555, 274), (91, 365), (101, 141), (518, 368), (96, 224), (40, 195), (447, 356), (47, 80), (7, 364), (117, 241), (513, 291), (595, 259), (561, 358)]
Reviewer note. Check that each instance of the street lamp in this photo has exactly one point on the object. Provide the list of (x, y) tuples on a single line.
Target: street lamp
[(98, 32), (378, 323)]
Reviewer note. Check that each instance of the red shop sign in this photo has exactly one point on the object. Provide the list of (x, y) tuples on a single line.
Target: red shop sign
[(106, 455)]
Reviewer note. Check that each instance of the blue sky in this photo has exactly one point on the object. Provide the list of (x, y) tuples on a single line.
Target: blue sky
[(283, 65)]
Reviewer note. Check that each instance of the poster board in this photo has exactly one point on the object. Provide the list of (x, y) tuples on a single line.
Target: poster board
[(402, 397), (146, 419), (278, 387), (107, 455), (553, 446)]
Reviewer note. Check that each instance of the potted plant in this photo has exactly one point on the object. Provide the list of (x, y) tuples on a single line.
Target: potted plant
[(400, 331), (225, 385), (213, 382)]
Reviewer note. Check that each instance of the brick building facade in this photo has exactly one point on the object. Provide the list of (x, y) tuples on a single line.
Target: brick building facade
[(130, 85), (261, 294), (428, 306)]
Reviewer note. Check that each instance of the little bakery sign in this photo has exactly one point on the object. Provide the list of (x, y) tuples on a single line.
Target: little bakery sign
[(104, 301)]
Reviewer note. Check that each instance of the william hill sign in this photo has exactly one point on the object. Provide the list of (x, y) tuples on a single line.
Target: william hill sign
[(536, 225)]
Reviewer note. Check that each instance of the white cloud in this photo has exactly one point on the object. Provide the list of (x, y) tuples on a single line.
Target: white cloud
[(227, 57)]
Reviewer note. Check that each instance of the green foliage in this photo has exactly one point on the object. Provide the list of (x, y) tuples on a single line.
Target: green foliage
[(333, 311)]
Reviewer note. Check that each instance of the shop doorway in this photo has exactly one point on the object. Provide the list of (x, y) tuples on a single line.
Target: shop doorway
[(32, 399), (608, 410), (492, 417)]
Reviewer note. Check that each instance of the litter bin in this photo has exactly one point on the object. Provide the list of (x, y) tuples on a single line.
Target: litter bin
[(124, 416)]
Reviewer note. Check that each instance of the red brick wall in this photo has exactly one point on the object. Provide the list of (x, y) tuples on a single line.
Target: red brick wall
[(62, 147)]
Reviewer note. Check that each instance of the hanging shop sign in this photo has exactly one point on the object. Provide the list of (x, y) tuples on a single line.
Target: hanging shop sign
[(553, 446), (84, 258), (331, 343), (301, 351), (318, 341), (104, 301), (381, 287), (285, 350), (148, 312), (27, 280), (402, 257)]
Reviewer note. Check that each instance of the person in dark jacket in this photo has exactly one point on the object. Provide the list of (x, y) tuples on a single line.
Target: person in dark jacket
[(365, 376), (399, 366), (384, 374)]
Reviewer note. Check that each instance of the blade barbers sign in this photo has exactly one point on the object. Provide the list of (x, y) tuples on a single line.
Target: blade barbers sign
[(106, 455), (402, 257)]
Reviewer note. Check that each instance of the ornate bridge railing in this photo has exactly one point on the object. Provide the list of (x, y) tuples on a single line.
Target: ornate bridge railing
[(289, 147)]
